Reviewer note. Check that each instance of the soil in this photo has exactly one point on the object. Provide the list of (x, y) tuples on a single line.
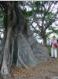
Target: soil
[(45, 70)]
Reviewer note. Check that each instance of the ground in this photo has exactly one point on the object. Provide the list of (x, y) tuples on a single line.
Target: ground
[(46, 70)]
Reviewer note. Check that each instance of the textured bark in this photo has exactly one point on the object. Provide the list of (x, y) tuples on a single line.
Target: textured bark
[(11, 22), (12, 51), (26, 57), (4, 69)]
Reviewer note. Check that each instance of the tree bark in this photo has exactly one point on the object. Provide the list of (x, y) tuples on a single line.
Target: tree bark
[(4, 69), (44, 41), (13, 15), (11, 22), (43, 35)]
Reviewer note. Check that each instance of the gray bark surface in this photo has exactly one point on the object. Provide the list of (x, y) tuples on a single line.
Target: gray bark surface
[(30, 54), (25, 53), (6, 56)]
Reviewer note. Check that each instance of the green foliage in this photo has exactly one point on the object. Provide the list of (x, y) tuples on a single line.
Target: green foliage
[(39, 7), (49, 16), (27, 14), (53, 29), (1, 17)]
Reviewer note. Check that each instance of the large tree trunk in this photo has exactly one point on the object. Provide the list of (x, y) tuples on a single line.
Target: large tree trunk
[(4, 69), (26, 57), (11, 22)]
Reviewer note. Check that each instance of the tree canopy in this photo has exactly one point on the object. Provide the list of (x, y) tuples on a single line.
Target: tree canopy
[(42, 15)]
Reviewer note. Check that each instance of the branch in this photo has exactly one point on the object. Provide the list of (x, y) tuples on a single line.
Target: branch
[(51, 21)]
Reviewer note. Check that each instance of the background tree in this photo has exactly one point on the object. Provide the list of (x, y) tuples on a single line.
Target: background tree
[(41, 16)]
